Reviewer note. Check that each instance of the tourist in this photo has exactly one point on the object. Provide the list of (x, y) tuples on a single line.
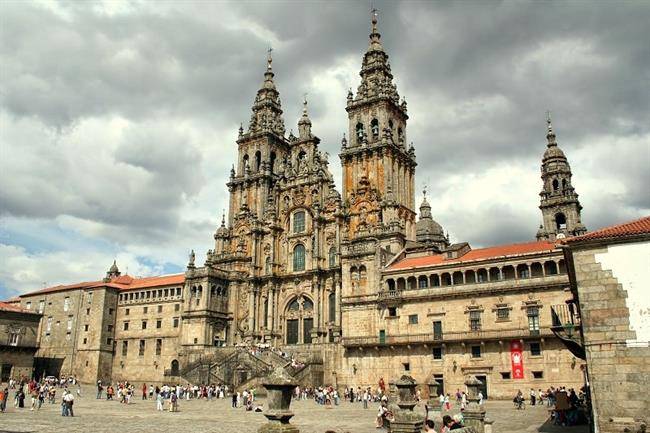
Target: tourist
[(532, 397), (365, 399), (69, 402), (34, 397), (100, 388), (441, 399), (144, 391), (4, 393), (480, 397), (173, 402), (429, 426), (382, 415), (447, 402), (233, 404), (159, 402), (448, 424)]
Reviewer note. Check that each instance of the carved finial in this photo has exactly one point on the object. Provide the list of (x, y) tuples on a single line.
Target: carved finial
[(550, 134), (424, 192), (304, 104), (374, 13), (223, 218), (269, 59)]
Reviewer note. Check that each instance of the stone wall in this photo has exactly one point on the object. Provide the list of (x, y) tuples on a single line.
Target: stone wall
[(617, 358)]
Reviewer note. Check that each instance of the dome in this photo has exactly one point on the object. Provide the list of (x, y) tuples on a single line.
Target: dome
[(428, 226), (554, 152)]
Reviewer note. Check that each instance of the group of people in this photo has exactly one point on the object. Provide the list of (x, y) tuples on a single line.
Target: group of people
[(568, 406), (37, 392)]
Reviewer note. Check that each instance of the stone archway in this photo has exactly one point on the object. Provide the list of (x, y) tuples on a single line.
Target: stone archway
[(299, 320)]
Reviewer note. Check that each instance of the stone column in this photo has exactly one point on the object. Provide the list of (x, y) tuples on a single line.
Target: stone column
[(279, 387), (474, 414), (405, 419)]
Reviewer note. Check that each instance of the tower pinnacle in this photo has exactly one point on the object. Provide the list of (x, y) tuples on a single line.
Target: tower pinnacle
[(559, 201)]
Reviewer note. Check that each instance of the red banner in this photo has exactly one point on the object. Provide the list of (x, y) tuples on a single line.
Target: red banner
[(517, 360)]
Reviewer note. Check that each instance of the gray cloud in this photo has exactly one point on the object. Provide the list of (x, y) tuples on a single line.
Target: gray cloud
[(126, 121)]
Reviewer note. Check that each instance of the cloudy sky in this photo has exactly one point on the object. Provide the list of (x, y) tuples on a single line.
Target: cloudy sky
[(118, 120)]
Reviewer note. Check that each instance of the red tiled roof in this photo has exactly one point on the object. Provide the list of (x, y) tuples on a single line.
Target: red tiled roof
[(632, 228), (163, 280), (123, 282), (4, 306), (478, 254)]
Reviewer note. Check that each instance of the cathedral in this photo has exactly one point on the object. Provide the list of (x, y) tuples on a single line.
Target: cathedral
[(353, 283)]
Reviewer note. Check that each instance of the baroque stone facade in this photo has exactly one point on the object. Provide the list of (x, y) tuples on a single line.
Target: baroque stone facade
[(351, 282)]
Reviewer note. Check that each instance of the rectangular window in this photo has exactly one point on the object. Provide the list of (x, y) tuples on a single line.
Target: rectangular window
[(533, 319), (413, 319), (475, 320), (144, 324), (407, 366), (144, 310), (110, 328), (85, 328), (41, 306), (178, 291), (437, 330), (177, 307), (538, 375), (69, 323), (158, 324), (299, 222), (87, 311), (437, 353), (109, 341), (158, 347), (66, 303), (110, 311), (505, 375), (28, 305), (175, 322), (126, 326), (503, 313), (160, 308), (125, 348), (535, 348), (392, 311), (90, 297), (476, 351), (48, 328), (85, 340), (166, 293), (141, 348), (126, 312)]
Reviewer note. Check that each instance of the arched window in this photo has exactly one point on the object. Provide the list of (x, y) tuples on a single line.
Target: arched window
[(332, 257), (390, 125), (299, 258), (244, 163), (258, 160), (174, 368), (294, 305), (560, 221), (299, 222), (273, 157), (302, 160), (331, 303), (563, 184), (359, 132), (556, 185), (267, 266), (374, 127), (400, 135), (423, 282)]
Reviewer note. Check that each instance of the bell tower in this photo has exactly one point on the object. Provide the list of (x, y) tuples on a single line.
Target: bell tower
[(559, 201), (378, 165)]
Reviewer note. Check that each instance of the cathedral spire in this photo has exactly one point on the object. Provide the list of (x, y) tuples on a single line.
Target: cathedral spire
[(559, 202), (267, 108)]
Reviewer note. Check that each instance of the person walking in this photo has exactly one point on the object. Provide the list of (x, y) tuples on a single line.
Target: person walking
[(4, 393), (100, 388), (159, 402), (365, 399), (144, 391)]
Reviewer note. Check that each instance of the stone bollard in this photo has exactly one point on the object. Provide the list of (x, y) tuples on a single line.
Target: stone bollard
[(474, 414), (405, 419), (279, 387), (433, 386), (488, 425)]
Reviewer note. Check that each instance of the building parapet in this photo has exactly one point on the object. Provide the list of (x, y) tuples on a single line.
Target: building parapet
[(446, 337)]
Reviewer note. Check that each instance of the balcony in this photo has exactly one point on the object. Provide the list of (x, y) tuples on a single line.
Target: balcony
[(566, 326), (445, 337)]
